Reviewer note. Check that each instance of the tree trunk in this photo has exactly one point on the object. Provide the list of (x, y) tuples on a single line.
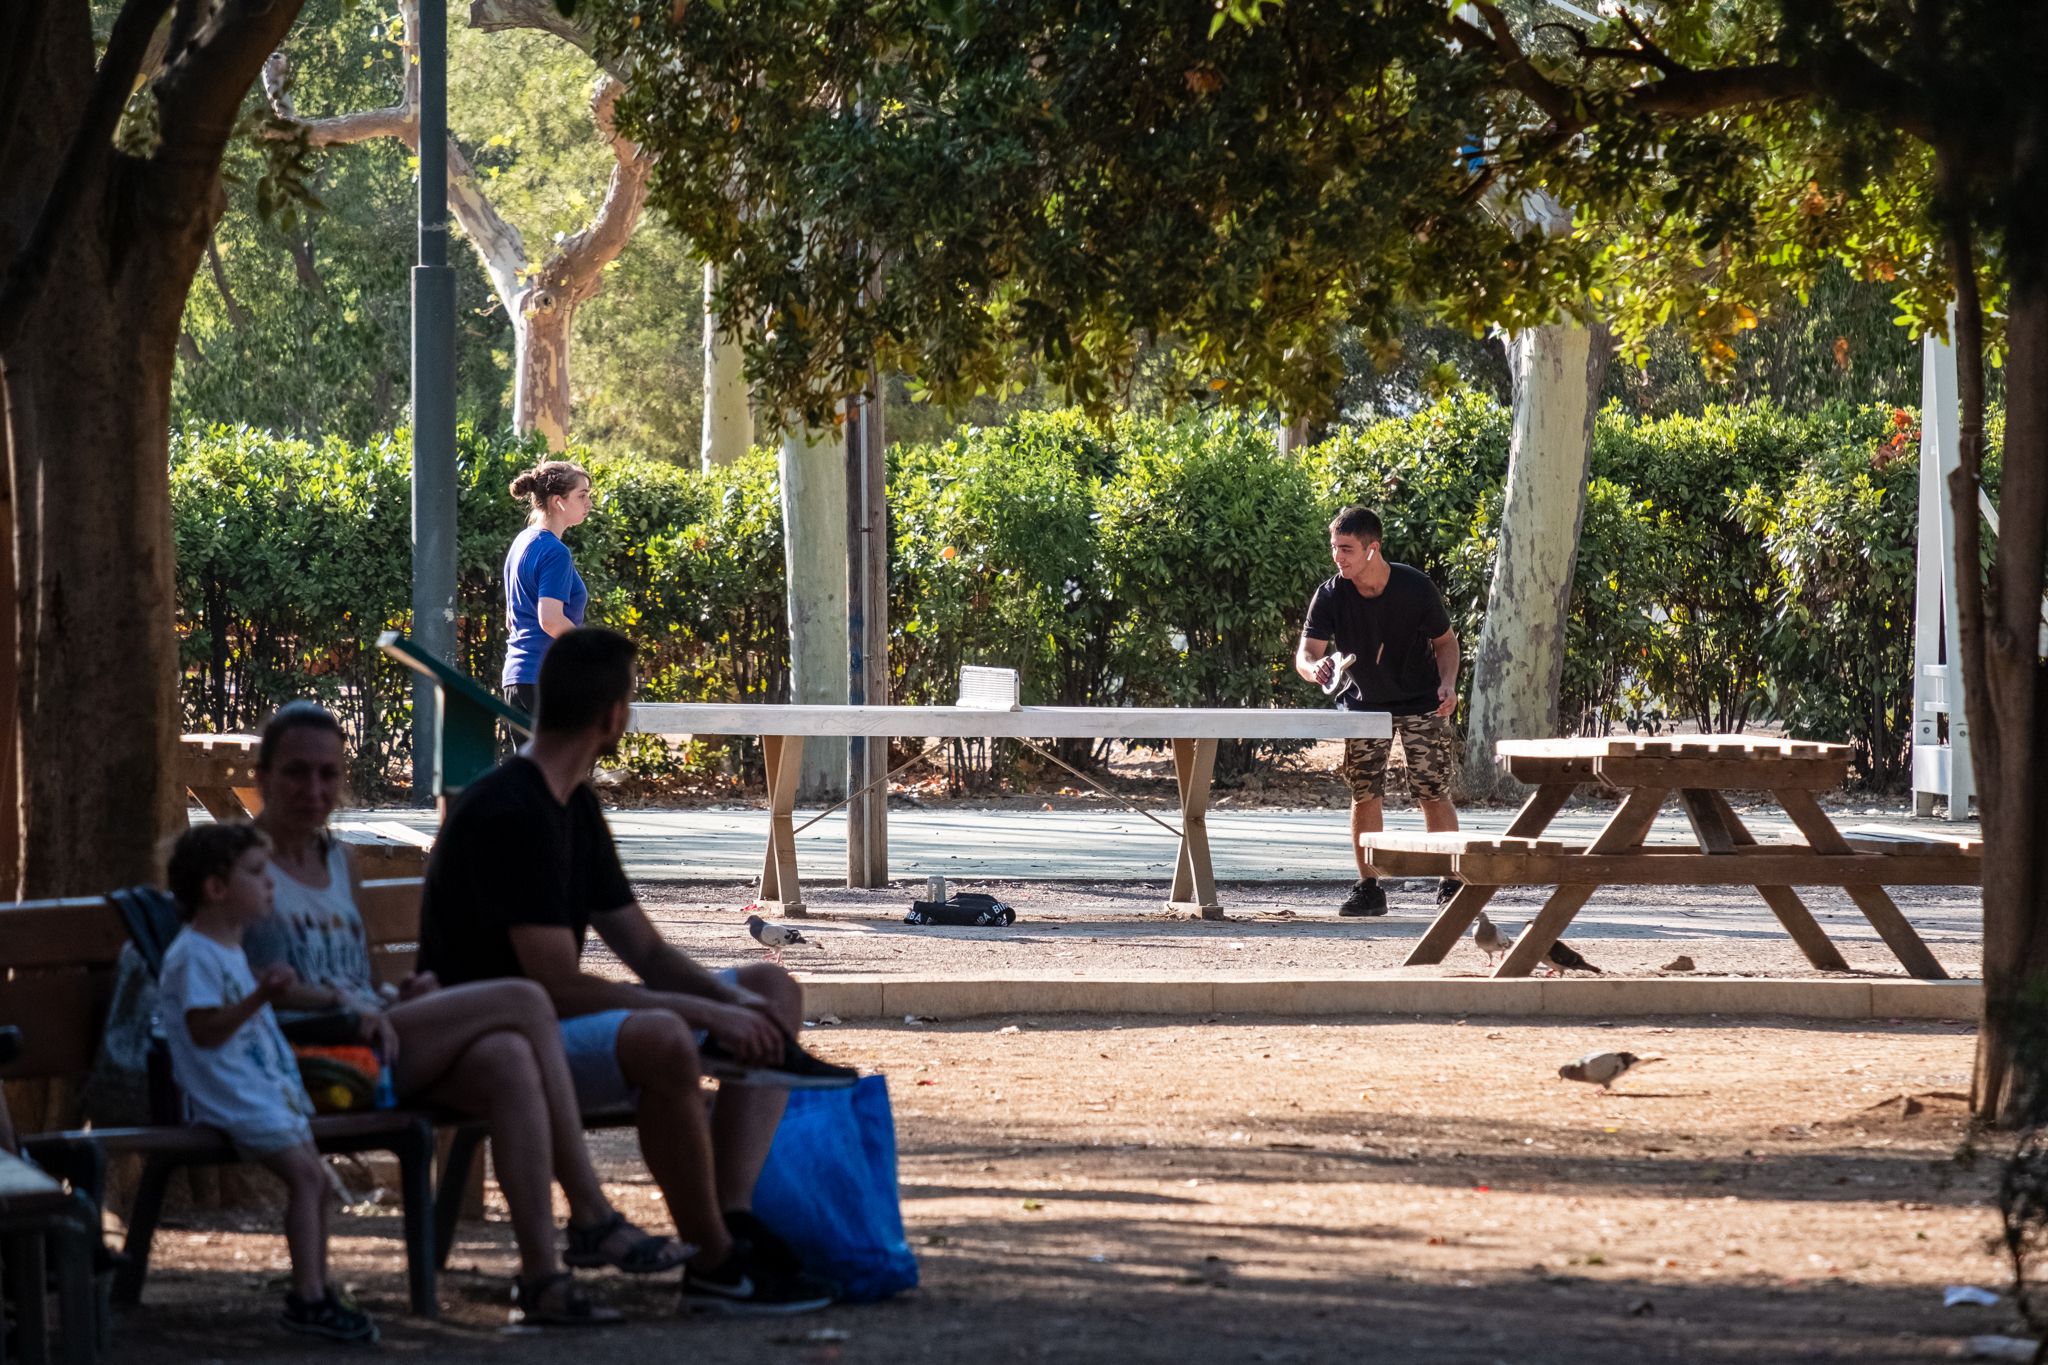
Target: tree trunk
[(814, 553), (728, 418), (2010, 744), (87, 377), (540, 391), (1516, 668)]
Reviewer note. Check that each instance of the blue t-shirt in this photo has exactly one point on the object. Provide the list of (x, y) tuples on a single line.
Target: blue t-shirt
[(538, 565)]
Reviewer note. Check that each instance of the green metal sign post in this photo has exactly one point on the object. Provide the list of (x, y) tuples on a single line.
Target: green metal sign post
[(466, 719)]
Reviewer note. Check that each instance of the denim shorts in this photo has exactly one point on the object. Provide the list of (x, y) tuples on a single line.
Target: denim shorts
[(591, 1042)]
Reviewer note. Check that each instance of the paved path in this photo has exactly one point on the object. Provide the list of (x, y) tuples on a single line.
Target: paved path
[(1021, 844)]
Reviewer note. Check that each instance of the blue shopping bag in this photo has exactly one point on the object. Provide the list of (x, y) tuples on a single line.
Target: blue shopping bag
[(830, 1189)]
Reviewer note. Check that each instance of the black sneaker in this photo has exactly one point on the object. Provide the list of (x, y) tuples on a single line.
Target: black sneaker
[(1366, 898), (745, 1284), (1446, 889), (334, 1317), (768, 1247), (798, 1069)]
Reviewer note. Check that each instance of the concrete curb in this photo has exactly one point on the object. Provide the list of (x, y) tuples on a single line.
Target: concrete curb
[(870, 997)]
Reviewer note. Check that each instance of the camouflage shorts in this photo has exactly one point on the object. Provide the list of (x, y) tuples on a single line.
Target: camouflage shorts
[(1429, 747)]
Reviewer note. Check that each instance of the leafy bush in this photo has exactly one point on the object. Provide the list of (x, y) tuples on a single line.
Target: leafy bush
[(1743, 563), (1216, 544)]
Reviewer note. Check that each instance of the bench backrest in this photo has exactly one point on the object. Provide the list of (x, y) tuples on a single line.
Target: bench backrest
[(57, 961)]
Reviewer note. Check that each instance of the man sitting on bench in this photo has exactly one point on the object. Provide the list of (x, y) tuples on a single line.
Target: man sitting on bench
[(523, 868)]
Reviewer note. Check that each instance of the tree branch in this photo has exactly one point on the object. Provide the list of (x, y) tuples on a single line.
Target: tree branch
[(199, 95), (582, 257), (494, 16), (92, 145), (497, 243), (238, 316)]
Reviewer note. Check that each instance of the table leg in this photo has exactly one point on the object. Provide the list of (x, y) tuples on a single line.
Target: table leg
[(1720, 830), (1540, 809), (780, 892), (1875, 903), (1194, 880), (1450, 925), (1624, 830)]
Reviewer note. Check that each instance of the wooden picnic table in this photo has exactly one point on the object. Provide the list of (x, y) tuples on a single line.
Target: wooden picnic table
[(1700, 770), (220, 772), (1192, 731)]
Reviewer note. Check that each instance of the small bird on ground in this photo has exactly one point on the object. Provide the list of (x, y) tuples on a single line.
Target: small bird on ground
[(1487, 938), (1567, 958), (775, 937), (1603, 1068)]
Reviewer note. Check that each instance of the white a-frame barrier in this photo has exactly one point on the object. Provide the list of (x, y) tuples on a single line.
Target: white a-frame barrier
[(1941, 764)]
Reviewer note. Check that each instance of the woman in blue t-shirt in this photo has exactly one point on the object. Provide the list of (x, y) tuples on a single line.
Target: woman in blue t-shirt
[(544, 595)]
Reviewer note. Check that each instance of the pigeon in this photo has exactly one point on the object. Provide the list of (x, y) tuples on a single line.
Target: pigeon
[(1567, 958), (774, 937), (1602, 1068), (1486, 937)]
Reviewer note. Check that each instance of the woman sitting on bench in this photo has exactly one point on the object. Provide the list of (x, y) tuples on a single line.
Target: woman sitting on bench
[(490, 1050)]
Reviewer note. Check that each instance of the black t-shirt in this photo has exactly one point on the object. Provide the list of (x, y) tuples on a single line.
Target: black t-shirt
[(1390, 634), (512, 854)]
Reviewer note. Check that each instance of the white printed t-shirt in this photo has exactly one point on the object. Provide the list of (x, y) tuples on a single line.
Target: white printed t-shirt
[(249, 1086)]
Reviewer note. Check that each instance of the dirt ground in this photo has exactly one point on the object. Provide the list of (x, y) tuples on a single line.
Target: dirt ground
[(1083, 927), (1267, 1190)]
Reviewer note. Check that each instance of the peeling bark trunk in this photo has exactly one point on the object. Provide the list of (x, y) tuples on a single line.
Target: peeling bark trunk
[(728, 414), (1557, 372), (813, 481), (540, 392)]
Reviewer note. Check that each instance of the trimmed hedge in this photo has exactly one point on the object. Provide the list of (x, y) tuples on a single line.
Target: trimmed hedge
[(1742, 564)]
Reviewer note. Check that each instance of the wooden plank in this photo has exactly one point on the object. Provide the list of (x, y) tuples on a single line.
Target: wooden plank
[(391, 910), (60, 1013), (1876, 839), (1600, 746), (1797, 920), (1767, 865), (1624, 830), (1725, 774), (1029, 722), (1194, 876), (1706, 822), (1905, 942), (1563, 770), (1394, 863), (1409, 841), (1540, 809), (81, 930), (1450, 925)]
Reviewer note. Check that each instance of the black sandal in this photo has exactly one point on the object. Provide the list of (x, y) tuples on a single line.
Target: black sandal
[(537, 1303), (648, 1254)]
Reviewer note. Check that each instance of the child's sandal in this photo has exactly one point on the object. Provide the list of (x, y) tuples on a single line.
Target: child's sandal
[(646, 1254)]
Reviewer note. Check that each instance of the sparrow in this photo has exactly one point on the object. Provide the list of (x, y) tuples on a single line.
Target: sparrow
[(1486, 937), (1602, 1068), (774, 937), (1567, 957)]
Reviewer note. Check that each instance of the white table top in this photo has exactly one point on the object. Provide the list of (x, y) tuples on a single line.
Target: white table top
[(1031, 722)]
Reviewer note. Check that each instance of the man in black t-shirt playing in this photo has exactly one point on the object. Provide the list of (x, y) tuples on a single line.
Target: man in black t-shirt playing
[(1391, 620), (523, 868)]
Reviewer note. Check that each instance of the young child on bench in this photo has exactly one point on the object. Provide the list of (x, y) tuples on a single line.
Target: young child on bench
[(233, 1063)]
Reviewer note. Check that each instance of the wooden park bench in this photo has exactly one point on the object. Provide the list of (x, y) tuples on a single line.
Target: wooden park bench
[(56, 971), (1700, 770), (57, 961)]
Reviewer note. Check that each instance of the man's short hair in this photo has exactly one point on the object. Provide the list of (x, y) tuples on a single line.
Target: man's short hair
[(1362, 524), (206, 851), (583, 675)]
